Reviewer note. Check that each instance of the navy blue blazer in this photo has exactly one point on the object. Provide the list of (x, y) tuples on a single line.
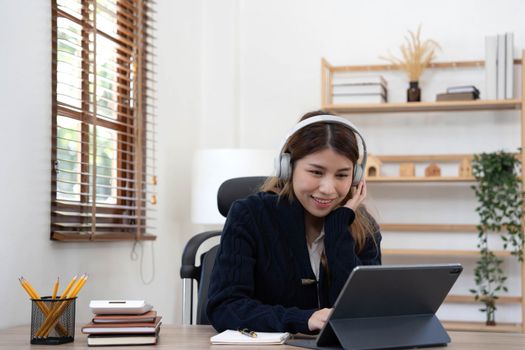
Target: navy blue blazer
[(260, 277)]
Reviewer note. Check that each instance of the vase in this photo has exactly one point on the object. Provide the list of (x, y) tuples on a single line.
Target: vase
[(491, 317), (414, 92)]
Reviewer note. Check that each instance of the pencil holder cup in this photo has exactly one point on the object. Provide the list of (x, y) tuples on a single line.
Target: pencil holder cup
[(52, 321)]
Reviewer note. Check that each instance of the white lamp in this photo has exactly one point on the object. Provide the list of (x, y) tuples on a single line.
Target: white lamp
[(211, 167)]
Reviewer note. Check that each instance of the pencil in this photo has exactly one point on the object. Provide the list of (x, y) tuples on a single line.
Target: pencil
[(55, 289), (64, 293)]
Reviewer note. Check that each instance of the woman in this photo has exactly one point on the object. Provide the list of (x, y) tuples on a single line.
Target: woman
[(287, 251)]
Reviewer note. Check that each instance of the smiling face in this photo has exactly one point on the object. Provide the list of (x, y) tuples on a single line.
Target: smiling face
[(321, 181)]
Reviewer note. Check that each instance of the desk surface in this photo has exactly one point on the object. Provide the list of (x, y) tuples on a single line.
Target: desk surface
[(198, 337)]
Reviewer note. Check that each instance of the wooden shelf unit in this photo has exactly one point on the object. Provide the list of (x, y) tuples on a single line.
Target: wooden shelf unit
[(476, 105), (427, 158), (479, 326), (443, 158), (428, 227), (441, 252), (415, 108), (463, 299), (327, 71), (420, 179)]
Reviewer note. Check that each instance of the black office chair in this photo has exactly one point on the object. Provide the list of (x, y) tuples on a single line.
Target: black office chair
[(228, 192)]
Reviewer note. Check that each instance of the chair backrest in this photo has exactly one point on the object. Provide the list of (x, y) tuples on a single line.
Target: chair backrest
[(237, 188), (228, 192), (208, 260)]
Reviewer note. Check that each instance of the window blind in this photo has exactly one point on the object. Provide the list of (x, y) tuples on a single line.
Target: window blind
[(103, 181)]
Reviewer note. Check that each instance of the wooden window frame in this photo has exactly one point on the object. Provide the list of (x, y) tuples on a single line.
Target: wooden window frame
[(86, 220)]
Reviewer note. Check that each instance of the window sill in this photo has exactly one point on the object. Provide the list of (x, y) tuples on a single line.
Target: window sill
[(99, 237)]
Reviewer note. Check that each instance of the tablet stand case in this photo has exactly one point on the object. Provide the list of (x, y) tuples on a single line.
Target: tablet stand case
[(404, 316), (379, 333)]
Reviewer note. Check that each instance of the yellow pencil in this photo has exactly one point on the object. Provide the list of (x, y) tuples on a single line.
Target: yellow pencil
[(33, 291), (55, 289), (43, 307), (24, 285), (64, 293), (77, 285)]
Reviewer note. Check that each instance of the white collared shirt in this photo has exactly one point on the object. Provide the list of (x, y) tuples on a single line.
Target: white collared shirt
[(315, 250)]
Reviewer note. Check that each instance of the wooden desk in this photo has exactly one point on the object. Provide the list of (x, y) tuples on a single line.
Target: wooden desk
[(198, 337)]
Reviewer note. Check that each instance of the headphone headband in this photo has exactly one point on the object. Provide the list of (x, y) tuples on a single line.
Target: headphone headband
[(324, 118)]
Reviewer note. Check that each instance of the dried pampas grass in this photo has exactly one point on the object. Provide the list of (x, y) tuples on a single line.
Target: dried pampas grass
[(416, 55)]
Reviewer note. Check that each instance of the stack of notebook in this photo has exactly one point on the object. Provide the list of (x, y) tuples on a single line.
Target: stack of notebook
[(359, 89), (123, 329)]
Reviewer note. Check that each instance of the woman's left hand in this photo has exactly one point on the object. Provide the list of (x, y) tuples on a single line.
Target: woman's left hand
[(358, 196), (318, 319)]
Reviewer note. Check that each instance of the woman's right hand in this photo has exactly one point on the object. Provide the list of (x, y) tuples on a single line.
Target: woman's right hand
[(318, 319), (358, 196)]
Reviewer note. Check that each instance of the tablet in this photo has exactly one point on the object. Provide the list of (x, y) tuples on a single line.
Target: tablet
[(383, 307), (119, 307)]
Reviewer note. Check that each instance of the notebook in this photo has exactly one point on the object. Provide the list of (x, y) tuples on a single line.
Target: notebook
[(235, 337), (112, 328), (388, 307), (146, 317), (122, 339)]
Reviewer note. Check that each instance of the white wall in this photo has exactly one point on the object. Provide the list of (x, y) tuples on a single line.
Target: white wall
[(25, 171), (231, 73)]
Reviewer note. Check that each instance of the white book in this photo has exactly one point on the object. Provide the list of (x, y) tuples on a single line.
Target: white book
[(491, 73), (122, 339), (509, 65), (263, 338), (500, 90), (352, 98), (359, 80), (119, 307), (461, 89), (359, 89)]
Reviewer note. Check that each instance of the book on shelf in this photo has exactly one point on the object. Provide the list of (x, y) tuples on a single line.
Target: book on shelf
[(359, 89), (500, 90), (122, 339), (463, 88), (499, 66), (509, 65), (237, 338), (141, 318), (124, 328), (491, 70), (460, 96), (358, 98), (359, 80)]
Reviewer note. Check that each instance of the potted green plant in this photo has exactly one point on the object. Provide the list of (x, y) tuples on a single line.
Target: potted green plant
[(500, 198)]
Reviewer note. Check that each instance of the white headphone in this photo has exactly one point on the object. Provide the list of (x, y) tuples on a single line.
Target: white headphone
[(283, 166)]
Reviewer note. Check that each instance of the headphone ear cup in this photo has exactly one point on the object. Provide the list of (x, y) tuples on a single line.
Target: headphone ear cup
[(285, 172), (277, 166), (358, 175)]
